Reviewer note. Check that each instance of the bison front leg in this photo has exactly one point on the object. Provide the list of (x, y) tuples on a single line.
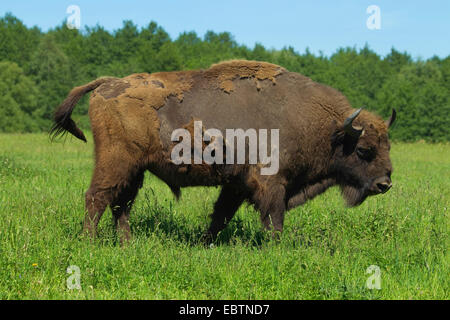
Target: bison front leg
[(270, 201), (229, 201)]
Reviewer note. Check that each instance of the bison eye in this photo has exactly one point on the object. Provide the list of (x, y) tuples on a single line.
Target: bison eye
[(365, 153)]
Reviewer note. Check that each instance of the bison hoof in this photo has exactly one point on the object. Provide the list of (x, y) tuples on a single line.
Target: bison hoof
[(208, 239)]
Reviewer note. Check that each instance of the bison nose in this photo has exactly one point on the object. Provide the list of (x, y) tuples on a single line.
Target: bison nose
[(384, 186)]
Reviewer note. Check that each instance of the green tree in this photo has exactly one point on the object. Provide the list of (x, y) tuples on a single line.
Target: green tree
[(18, 100), (359, 75), (50, 69), (420, 96), (156, 52), (17, 42)]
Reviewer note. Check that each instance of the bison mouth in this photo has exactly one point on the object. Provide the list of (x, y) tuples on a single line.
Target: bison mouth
[(354, 196)]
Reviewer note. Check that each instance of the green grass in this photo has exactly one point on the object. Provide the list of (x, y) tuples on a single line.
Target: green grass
[(324, 252)]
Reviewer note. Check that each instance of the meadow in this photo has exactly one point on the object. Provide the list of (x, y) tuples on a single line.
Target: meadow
[(324, 252)]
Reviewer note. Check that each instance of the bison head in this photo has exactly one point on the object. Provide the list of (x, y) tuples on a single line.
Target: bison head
[(361, 160)]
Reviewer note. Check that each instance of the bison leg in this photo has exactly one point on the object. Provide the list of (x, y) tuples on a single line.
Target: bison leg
[(114, 173), (121, 206), (96, 203), (224, 209), (272, 205)]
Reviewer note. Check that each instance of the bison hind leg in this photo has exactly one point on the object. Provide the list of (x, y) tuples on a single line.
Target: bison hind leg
[(122, 203), (96, 203), (115, 183)]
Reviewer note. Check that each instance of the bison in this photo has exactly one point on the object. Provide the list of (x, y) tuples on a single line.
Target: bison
[(323, 141)]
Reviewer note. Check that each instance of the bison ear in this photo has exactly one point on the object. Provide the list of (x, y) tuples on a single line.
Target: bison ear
[(391, 119)]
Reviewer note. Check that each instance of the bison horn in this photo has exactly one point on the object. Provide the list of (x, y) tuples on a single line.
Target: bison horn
[(391, 119), (349, 129)]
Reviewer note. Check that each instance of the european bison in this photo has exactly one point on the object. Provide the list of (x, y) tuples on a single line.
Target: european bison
[(322, 140)]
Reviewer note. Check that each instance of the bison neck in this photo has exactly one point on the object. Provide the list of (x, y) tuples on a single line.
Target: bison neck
[(307, 191)]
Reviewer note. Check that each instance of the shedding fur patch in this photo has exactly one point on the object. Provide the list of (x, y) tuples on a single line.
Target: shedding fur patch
[(153, 89), (113, 88), (225, 72)]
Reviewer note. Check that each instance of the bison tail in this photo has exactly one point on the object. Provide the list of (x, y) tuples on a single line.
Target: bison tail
[(63, 122)]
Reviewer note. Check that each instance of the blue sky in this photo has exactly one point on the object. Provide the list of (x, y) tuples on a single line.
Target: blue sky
[(422, 28)]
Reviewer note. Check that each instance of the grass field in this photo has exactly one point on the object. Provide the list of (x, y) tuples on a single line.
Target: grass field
[(324, 252)]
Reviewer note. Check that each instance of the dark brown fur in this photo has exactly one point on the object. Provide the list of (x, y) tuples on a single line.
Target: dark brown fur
[(133, 118)]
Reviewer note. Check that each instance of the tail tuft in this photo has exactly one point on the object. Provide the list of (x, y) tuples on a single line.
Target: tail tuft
[(63, 121), (64, 125)]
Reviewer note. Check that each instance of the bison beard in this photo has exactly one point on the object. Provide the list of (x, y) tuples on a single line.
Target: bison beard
[(354, 196), (132, 120)]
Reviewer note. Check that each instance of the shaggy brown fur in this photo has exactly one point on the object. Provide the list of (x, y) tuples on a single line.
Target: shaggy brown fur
[(224, 73), (133, 119)]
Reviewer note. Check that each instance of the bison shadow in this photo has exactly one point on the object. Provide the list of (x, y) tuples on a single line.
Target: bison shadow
[(169, 226), (161, 219)]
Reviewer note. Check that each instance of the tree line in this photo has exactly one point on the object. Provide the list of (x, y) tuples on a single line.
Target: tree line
[(38, 69)]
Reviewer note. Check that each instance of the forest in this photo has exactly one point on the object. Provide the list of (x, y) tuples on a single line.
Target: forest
[(38, 69)]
